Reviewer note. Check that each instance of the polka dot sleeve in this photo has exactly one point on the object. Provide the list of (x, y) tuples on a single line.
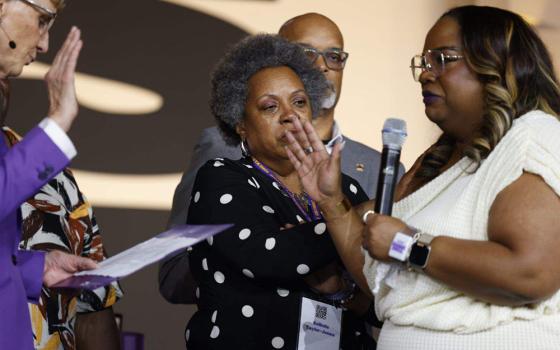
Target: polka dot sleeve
[(257, 246)]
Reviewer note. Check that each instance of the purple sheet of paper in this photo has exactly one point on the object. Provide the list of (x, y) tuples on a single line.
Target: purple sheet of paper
[(141, 255), (90, 282)]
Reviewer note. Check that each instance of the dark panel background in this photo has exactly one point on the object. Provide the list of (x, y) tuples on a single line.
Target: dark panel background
[(161, 47)]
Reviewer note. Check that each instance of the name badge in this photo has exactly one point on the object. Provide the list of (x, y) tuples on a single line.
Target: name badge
[(319, 325)]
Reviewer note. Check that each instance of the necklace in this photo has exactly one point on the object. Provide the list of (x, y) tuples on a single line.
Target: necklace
[(303, 202)]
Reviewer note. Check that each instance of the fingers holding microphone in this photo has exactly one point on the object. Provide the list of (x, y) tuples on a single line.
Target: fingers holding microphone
[(378, 234), (60, 81)]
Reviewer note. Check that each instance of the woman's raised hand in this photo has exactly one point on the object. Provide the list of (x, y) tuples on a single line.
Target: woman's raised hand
[(60, 81), (318, 171)]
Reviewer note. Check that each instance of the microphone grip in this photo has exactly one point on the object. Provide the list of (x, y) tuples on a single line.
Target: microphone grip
[(387, 180)]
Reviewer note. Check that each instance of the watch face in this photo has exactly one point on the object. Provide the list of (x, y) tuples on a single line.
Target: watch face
[(419, 255)]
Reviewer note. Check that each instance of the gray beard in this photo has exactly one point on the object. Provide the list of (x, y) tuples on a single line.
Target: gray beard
[(329, 100)]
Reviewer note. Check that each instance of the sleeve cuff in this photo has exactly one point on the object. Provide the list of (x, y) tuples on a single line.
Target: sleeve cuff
[(31, 266), (59, 137)]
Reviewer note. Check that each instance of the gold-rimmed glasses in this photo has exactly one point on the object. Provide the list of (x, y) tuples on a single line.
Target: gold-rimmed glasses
[(433, 61)]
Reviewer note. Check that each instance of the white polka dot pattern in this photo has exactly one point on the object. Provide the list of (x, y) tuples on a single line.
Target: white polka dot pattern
[(268, 209), (253, 182), (247, 311), (302, 269), (320, 228), (244, 234), (248, 273), (247, 212), (215, 332), (277, 343), (219, 277), (270, 244), (226, 198)]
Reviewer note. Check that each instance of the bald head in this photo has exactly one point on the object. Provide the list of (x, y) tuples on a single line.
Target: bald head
[(318, 32), (311, 25)]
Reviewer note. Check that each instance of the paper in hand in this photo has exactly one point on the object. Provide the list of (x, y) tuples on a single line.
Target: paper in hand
[(141, 255)]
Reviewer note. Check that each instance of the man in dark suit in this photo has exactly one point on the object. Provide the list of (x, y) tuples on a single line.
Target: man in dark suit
[(324, 45)]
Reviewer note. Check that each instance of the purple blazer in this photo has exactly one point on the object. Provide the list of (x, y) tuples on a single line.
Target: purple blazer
[(24, 169)]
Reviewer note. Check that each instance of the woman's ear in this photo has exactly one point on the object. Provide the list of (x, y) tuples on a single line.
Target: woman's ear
[(239, 128)]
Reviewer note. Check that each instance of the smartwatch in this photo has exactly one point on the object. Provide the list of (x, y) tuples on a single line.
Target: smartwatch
[(420, 251)]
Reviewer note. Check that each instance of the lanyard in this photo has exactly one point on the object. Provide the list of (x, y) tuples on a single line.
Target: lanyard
[(311, 214)]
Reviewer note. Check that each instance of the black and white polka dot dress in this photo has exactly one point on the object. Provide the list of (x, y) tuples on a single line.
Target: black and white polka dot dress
[(250, 277)]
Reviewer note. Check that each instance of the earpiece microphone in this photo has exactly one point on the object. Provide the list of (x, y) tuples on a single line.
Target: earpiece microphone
[(11, 43)]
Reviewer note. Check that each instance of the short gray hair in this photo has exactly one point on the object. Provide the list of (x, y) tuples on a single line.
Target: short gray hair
[(230, 78)]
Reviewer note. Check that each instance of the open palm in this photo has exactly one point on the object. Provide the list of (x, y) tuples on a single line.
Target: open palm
[(318, 171)]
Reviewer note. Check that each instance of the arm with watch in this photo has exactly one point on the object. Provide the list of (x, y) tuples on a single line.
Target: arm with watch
[(517, 265)]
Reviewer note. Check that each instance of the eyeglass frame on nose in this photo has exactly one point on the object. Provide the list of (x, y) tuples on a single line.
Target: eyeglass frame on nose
[(342, 54), (44, 12), (430, 67)]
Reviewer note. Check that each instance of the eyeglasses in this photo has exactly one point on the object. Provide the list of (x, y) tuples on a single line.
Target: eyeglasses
[(46, 18), (334, 59), (433, 61)]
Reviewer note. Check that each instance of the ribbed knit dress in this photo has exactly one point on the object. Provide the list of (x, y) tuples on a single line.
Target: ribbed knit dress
[(422, 313)]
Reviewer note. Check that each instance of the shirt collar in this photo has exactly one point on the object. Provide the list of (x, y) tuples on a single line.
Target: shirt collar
[(336, 138)]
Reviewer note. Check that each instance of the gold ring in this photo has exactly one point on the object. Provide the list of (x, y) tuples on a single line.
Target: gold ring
[(366, 214)]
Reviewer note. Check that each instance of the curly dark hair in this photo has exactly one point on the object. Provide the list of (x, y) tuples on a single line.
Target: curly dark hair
[(517, 74), (229, 81)]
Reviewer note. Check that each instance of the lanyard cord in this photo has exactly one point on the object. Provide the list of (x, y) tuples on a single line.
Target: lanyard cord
[(312, 207)]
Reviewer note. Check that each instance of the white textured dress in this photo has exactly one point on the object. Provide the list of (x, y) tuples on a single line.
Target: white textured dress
[(420, 312)]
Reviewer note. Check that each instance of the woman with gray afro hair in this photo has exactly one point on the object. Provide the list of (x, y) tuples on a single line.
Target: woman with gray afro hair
[(253, 277), (250, 55)]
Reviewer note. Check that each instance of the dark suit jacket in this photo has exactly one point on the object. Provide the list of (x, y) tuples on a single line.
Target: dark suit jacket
[(357, 160), (24, 169)]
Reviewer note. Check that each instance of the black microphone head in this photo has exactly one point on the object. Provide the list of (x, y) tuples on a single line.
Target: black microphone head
[(394, 133)]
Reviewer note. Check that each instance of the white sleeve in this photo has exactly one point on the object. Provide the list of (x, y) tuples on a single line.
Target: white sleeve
[(59, 137)]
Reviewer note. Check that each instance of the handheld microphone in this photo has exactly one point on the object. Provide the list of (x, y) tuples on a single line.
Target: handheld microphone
[(394, 135)]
